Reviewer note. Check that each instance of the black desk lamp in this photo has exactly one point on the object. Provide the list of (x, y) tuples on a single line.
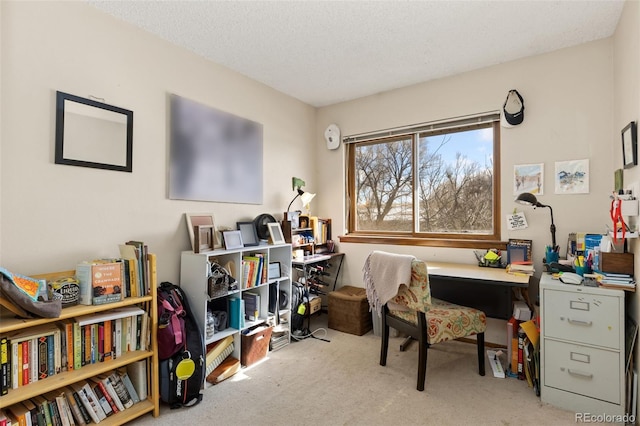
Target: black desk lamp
[(528, 199), (306, 197)]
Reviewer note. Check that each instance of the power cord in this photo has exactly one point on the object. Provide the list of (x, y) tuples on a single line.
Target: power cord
[(311, 334)]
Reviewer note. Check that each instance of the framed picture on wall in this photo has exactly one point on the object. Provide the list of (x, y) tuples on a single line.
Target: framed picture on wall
[(629, 145)]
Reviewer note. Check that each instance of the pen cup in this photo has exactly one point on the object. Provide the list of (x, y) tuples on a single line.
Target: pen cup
[(551, 256)]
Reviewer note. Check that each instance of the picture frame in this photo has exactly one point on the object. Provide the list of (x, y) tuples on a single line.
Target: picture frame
[(275, 232), (249, 233), (572, 177), (204, 237), (629, 145), (528, 178), (232, 239), (201, 219), (93, 134), (274, 271)]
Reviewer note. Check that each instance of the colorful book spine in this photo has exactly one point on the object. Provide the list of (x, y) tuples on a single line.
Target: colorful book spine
[(5, 366)]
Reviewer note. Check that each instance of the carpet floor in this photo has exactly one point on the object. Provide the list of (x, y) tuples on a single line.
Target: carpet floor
[(313, 382)]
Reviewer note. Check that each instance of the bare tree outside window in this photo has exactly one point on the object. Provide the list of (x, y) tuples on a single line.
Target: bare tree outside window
[(432, 184)]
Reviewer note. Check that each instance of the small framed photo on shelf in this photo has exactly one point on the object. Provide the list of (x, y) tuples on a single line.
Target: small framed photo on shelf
[(249, 233), (274, 271), (200, 219), (629, 145), (204, 236), (232, 240), (275, 232)]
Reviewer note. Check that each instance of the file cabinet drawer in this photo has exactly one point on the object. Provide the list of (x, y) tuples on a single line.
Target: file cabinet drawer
[(583, 370), (582, 317)]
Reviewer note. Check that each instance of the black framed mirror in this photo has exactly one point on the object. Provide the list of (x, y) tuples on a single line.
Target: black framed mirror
[(93, 134)]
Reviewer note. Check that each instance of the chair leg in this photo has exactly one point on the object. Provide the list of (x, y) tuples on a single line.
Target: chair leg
[(384, 343), (422, 350), (480, 344)]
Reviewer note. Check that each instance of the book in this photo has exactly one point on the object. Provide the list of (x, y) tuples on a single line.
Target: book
[(103, 397), (96, 404), (5, 366), (124, 376), (42, 403), (137, 372), (521, 337), (107, 282), (88, 404), (21, 413), (108, 386), (81, 406), (128, 253), (112, 314), (120, 390), (63, 410), (252, 306), (74, 408)]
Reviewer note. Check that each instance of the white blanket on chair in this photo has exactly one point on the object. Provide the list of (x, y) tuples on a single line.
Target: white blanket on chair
[(383, 275)]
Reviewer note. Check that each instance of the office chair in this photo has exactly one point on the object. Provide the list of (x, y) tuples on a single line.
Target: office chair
[(429, 320)]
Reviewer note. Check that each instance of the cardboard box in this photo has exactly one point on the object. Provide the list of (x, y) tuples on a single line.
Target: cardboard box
[(314, 305), (616, 263)]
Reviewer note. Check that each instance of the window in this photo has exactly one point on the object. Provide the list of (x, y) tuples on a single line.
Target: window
[(432, 184)]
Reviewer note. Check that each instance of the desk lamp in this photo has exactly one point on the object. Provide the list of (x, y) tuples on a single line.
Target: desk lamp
[(306, 197), (528, 199)]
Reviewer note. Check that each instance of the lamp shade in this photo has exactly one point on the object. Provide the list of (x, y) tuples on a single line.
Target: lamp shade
[(528, 199), (306, 198)]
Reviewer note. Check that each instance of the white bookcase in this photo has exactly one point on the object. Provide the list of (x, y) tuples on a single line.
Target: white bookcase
[(194, 272)]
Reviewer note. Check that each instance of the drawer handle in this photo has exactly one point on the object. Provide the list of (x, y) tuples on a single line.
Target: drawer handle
[(579, 322), (579, 373)]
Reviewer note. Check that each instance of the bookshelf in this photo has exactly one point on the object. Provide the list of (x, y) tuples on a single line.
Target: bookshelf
[(10, 324), (311, 236), (194, 269)]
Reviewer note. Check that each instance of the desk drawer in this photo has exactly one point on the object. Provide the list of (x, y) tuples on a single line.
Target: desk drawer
[(583, 370), (582, 317)]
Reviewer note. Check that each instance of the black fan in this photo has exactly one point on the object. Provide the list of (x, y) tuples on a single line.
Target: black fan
[(260, 223)]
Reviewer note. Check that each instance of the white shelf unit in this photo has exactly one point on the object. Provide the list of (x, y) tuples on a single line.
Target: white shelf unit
[(194, 269), (582, 354)]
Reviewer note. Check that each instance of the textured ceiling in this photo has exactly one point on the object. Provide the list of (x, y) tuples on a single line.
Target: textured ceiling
[(324, 52)]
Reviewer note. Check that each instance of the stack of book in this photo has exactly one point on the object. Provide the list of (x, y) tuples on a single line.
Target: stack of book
[(83, 402), (520, 268), (619, 281)]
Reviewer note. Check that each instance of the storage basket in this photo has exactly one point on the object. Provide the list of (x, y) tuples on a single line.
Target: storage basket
[(255, 344)]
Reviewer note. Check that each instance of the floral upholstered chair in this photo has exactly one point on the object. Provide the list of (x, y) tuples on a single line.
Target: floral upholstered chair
[(429, 320)]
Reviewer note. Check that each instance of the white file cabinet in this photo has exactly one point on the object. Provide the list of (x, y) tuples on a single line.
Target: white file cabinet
[(582, 352)]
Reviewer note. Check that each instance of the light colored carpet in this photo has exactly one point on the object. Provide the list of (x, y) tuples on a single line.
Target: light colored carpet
[(312, 382)]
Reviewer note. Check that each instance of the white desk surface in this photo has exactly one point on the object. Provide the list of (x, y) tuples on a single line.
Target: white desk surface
[(313, 258), (475, 272)]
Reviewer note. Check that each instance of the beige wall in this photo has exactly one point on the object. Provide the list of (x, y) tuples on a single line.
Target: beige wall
[(569, 115), (53, 216)]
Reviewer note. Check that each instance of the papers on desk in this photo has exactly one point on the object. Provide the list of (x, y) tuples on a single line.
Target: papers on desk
[(520, 268)]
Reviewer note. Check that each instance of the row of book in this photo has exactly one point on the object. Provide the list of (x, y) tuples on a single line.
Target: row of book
[(110, 280), (44, 351), (81, 403), (524, 352), (254, 271), (246, 308)]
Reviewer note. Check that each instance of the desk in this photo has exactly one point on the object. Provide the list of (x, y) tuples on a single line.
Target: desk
[(484, 288), (309, 267)]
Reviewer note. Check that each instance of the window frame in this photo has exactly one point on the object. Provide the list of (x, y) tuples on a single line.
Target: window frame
[(460, 240)]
